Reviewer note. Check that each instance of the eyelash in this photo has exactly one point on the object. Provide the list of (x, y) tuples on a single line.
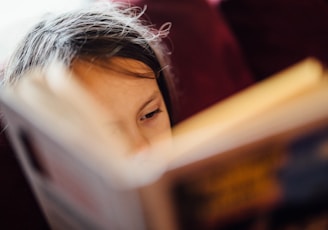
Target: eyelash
[(150, 115)]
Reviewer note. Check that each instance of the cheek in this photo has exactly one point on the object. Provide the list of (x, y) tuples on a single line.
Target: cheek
[(158, 128), (166, 127)]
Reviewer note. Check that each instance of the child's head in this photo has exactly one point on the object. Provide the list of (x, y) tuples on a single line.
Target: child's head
[(119, 56)]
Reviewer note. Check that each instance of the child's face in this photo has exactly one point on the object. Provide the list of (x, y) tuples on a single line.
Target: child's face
[(135, 103)]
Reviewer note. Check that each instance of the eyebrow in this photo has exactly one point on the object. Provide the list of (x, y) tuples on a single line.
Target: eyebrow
[(151, 98), (148, 75)]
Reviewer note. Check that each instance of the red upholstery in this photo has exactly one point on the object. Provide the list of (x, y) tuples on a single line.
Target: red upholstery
[(277, 33), (207, 59), (19, 209)]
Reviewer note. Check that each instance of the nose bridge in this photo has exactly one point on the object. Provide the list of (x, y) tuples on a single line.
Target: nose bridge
[(138, 139)]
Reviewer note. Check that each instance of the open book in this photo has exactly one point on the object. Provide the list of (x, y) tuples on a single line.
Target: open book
[(257, 160)]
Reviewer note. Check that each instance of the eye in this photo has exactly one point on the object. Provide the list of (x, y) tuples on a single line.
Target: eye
[(150, 115)]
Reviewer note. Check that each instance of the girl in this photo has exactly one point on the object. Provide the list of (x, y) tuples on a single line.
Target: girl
[(118, 56)]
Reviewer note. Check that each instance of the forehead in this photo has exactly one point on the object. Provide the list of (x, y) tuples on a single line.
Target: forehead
[(119, 77), (118, 65)]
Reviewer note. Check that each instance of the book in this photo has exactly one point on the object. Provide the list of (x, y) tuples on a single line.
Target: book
[(257, 160)]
